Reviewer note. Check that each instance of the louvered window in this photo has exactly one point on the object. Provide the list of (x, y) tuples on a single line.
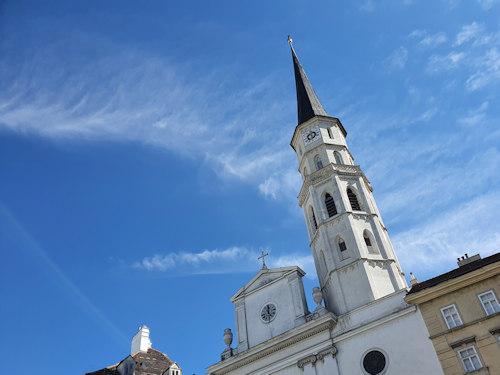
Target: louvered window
[(330, 205), (367, 241), (353, 200), (319, 163), (342, 245), (313, 219)]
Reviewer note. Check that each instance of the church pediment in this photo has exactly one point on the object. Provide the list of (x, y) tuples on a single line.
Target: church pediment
[(265, 277)]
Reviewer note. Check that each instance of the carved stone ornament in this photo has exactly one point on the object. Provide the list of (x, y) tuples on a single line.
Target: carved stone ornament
[(325, 353), (317, 296), (228, 337), (312, 359), (303, 362)]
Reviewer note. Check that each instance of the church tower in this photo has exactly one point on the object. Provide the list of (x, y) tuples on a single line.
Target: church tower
[(354, 258), (365, 326)]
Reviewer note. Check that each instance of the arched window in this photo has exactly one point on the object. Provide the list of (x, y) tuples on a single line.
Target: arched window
[(305, 172), (330, 205), (338, 158), (353, 200), (342, 245), (370, 242), (318, 162), (314, 223), (329, 131)]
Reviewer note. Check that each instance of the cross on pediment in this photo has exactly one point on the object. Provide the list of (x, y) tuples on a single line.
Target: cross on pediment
[(263, 256)]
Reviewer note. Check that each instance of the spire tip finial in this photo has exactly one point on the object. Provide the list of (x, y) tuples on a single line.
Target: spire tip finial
[(289, 40)]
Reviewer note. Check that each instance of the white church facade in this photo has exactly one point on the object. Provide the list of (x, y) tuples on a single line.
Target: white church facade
[(365, 326)]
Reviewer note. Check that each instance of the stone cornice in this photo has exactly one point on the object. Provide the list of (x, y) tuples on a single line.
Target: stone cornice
[(325, 322), (314, 119), (335, 219), (326, 172), (327, 142), (452, 285)]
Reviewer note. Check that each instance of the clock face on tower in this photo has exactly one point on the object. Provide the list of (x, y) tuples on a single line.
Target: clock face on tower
[(311, 135), (268, 312)]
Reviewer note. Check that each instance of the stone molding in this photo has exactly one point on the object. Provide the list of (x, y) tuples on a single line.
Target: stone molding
[(326, 172), (312, 359), (463, 341), (383, 263), (273, 348), (337, 218)]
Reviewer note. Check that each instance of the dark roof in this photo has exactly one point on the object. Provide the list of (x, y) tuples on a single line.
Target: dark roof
[(308, 104), (155, 363), (472, 266)]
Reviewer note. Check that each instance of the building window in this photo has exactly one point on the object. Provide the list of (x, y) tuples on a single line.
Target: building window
[(318, 162), (314, 223), (329, 131), (374, 362), (451, 317), (370, 242), (470, 359), (330, 205), (342, 245), (489, 302), (337, 157), (353, 200)]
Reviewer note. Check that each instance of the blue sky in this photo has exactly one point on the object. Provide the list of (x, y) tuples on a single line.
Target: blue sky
[(145, 158)]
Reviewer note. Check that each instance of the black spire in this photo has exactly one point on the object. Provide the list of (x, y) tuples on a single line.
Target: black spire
[(308, 104)]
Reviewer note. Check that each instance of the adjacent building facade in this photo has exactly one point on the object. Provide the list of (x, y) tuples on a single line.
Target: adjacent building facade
[(365, 326), (462, 313), (143, 360)]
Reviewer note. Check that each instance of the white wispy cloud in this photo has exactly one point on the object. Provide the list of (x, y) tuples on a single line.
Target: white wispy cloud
[(488, 70), (397, 59), (475, 116), (193, 261), (235, 259), (468, 32), (144, 99), (306, 262), (417, 33), (470, 228), (439, 63), (433, 40), (487, 4)]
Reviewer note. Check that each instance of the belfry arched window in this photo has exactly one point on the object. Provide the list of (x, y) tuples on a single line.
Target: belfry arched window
[(353, 200), (314, 223), (337, 157), (342, 245), (370, 242), (318, 162), (330, 205)]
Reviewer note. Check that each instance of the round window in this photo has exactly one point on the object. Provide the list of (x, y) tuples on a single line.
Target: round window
[(374, 362)]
